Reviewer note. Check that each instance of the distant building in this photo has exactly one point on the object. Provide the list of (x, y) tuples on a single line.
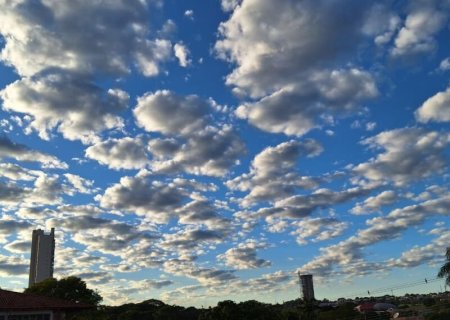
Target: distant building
[(307, 286), (42, 256), (22, 306)]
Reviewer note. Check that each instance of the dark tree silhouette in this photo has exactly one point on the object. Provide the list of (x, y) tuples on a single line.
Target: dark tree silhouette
[(445, 269), (70, 288)]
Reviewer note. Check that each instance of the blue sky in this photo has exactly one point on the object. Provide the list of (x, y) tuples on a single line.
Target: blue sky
[(195, 151)]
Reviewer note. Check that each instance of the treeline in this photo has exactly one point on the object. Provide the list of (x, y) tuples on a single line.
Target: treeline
[(225, 310)]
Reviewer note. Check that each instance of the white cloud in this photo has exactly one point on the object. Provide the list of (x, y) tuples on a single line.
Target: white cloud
[(194, 145), (375, 203), (272, 175), (229, 5), (13, 266), (16, 172), (435, 108), (99, 234), (348, 254), (88, 111), (80, 184), (189, 14), (445, 64), (318, 229), (211, 151), (300, 206), (288, 64), (170, 114), (382, 23), (19, 152), (244, 256), (187, 241), (409, 154), (201, 212), (123, 153), (206, 276), (182, 54), (144, 196), (424, 20), (46, 34)]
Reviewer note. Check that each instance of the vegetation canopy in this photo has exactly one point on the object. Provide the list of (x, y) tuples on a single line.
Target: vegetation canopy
[(70, 288)]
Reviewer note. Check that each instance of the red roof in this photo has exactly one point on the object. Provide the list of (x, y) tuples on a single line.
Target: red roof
[(15, 301)]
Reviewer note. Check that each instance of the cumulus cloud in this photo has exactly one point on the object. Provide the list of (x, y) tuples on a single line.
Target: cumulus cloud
[(46, 34), (445, 64), (171, 114), (182, 54), (15, 172), (375, 203), (194, 144), (145, 196), (88, 111), (211, 151), (19, 152), (435, 108), (300, 206), (206, 276), (244, 256), (229, 5), (13, 266), (187, 240), (200, 212), (44, 44), (18, 246), (123, 153), (290, 65), (80, 184), (99, 234), (133, 286), (409, 154), (419, 255), (189, 14), (348, 254), (273, 172), (11, 194), (46, 189), (318, 229), (295, 110), (424, 20), (8, 226), (382, 23)]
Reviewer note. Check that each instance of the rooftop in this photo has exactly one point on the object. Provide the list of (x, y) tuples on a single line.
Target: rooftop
[(10, 300)]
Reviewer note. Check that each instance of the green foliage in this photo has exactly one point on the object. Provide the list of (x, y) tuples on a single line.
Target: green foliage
[(70, 288), (229, 310), (444, 271), (445, 315), (344, 311)]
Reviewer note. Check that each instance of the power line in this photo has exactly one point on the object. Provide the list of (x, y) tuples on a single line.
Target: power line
[(400, 286)]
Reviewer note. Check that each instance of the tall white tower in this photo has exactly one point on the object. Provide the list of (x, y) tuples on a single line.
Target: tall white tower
[(42, 256)]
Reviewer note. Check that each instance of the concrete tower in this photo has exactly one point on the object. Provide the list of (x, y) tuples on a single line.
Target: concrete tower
[(42, 256), (307, 287)]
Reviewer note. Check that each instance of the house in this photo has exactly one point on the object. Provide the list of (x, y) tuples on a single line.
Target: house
[(22, 306)]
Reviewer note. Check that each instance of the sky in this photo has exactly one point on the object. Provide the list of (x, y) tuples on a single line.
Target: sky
[(197, 151)]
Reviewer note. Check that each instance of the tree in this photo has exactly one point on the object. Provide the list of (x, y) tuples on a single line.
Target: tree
[(71, 288), (445, 269)]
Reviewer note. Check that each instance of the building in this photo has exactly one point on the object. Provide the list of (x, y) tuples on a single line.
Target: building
[(42, 256), (307, 286), (22, 306)]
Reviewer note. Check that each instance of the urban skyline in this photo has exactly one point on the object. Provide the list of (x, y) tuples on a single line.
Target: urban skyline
[(189, 151)]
